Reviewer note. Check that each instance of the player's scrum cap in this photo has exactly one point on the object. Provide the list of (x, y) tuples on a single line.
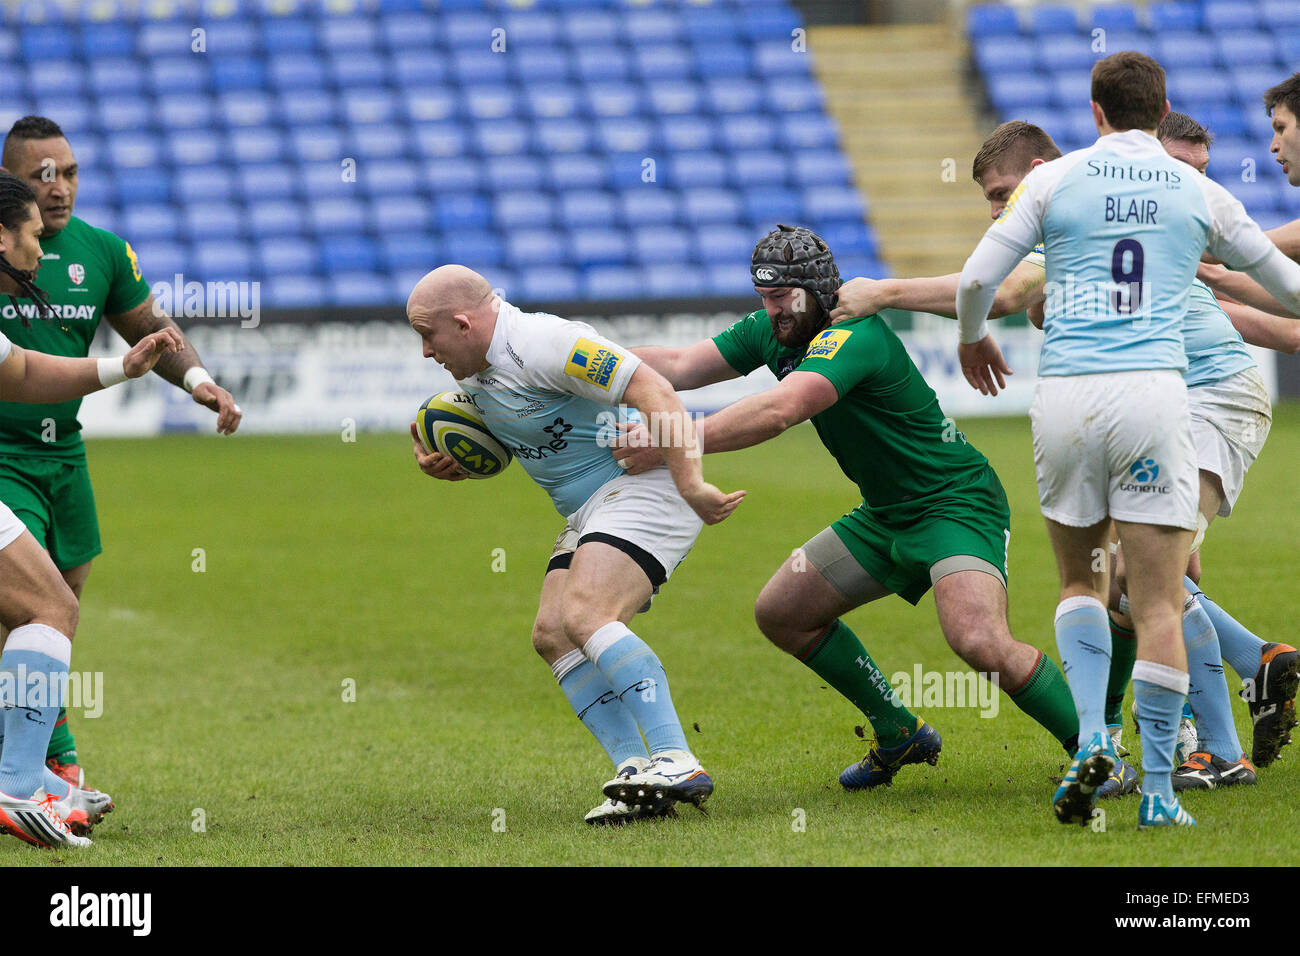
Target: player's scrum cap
[(792, 256)]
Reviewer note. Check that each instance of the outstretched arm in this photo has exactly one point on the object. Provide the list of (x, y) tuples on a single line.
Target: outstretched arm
[(38, 378), (1287, 238), (937, 295), (753, 420), (686, 368), (1264, 329)]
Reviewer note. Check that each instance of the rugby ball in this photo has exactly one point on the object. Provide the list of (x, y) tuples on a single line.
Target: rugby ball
[(449, 423)]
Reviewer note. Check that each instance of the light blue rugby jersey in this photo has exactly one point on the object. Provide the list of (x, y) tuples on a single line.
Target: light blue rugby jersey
[(1123, 225), (1214, 347), (550, 392)]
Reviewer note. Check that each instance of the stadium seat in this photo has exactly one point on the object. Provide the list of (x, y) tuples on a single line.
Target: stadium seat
[(294, 292), (671, 281), (474, 249), (649, 205), (318, 143), (598, 246), (575, 172), (221, 260), (470, 212), (1116, 18), (289, 36), (583, 209), (709, 206), (833, 202), (238, 73), (992, 19), (625, 135), (726, 244), (766, 204), (159, 261), (1177, 51), (149, 222), (442, 177), (277, 218), (760, 169), (208, 221), (1280, 15), (330, 217), (521, 210), (533, 28), (536, 247), (716, 59), (513, 172), (794, 95), (548, 285), (652, 26), (1051, 19), (605, 282), (1174, 16), (815, 167), (689, 170), (287, 257), (748, 131), (562, 136), (409, 252), (1230, 15)]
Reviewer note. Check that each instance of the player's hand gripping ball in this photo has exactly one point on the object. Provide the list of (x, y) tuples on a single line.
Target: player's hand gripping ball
[(449, 423)]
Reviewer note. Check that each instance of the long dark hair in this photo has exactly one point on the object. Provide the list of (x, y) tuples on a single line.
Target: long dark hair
[(16, 198)]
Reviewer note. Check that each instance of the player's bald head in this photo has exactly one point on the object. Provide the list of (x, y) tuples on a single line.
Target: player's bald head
[(449, 290)]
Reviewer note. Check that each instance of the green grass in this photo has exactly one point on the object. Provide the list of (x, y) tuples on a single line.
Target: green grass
[(328, 561)]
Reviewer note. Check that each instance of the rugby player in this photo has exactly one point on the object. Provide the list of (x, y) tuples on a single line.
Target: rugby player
[(537, 381), (933, 512), (89, 274), (36, 605), (1231, 420), (1125, 224)]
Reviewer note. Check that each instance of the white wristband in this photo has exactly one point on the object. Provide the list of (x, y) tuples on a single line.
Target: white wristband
[(195, 377), (112, 371)]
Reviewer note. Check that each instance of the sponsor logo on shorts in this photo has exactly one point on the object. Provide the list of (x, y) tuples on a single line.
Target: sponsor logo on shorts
[(592, 363), (1144, 473), (827, 343)]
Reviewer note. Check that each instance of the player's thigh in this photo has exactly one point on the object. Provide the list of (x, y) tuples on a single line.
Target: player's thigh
[(1157, 557), (31, 588), (972, 605), (73, 538), (604, 584), (76, 578), (549, 638), (818, 583)]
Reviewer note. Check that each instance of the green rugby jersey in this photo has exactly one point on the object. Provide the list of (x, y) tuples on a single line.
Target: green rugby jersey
[(87, 274), (886, 430)]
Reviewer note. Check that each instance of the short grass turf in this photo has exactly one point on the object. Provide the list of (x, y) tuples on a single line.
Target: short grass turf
[(335, 567)]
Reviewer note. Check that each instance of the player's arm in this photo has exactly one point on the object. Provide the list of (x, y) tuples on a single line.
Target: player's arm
[(937, 295), (1239, 287), (1236, 240), (1287, 238), (38, 378), (652, 395), (754, 419), (1268, 331), (184, 369), (686, 368)]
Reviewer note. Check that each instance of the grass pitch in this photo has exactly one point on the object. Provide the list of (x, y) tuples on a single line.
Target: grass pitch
[(333, 570)]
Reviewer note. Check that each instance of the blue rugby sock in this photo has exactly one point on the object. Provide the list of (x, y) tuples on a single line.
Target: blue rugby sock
[(1083, 640), (33, 673), (598, 707), (1207, 691), (635, 674), (1240, 647), (1159, 691)]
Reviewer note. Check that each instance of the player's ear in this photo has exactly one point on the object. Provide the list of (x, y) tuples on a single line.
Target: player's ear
[(1098, 115), (1036, 161)]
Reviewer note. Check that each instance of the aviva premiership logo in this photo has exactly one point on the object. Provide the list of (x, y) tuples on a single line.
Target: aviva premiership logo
[(827, 343), (592, 363), (77, 273)]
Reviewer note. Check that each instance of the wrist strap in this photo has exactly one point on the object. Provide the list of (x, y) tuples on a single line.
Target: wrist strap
[(112, 371), (195, 377)]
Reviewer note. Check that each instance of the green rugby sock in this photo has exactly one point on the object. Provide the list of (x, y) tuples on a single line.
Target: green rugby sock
[(838, 657), (1046, 697), (61, 742), (1123, 654)]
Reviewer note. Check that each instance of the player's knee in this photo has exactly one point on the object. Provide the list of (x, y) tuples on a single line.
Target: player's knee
[(979, 646), (580, 621), (770, 617), (549, 639), (59, 610)]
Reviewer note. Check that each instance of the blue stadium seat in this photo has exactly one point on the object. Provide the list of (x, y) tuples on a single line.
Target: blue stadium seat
[(689, 170), (675, 280), (1012, 93), (674, 98), (245, 108), (348, 70), (653, 63), (1049, 19), (184, 148), (588, 28), (287, 257), (729, 60), (159, 261), (222, 260), (648, 205), (706, 206), (265, 182), (1190, 90), (330, 217), (400, 216), (615, 99), (430, 104), (355, 289), (207, 220), (349, 253), (74, 116), (1246, 48), (116, 77), (598, 246), (777, 59), (318, 143), (117, 116), (725, 278), (1224, 120), (417, 69), (389, 177), (720, 23), (794, 95), (562, 136), (1280, 15), (1289, 44), (1067, 51), (289, 36), (442, 177), (1007, 54), (514, 172), (506, 137), (653, 26), (551, 101), (469, 30), (601, 64), (777, 22), (625, 135), (232, 37), (204, 184), (416, 31), (370, 141), (747, 131), (164, 39), (584, 209), (470, 212), (1177, 51), (833, 202), (687, 132), (149, 222), (294, 292), (238, 73), (726, 243), (370, 105), (47, 42), (178, 75), (441, 139), (324, 180), (408, 252), (270, 218), (761, 169), (847, 237), (297, 72), (133, 152), (660, 244), (107, 39), (548, 285), (52, 78), (731, 95), (1174, 16), (357, 35), (817, 167), (1072, 90), (1230, 15), (1249, 83), (474, 249), (523, 210), (540, 65), (532, 28), (536, 247), (992, 19), (1117, 18), (94, 188), (612, 282)]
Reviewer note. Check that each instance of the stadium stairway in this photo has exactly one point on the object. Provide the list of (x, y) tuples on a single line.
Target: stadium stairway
[(900, 96)]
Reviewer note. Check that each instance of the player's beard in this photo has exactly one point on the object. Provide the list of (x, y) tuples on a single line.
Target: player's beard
[(803, 325)]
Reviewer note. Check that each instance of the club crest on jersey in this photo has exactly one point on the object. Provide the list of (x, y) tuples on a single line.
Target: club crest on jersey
[(825, 344), (593, 364), (77, 273)]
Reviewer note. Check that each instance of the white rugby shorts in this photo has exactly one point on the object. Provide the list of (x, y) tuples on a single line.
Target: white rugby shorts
[(1115, 444), (642, 515), (1230, 422), (11, 526)]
